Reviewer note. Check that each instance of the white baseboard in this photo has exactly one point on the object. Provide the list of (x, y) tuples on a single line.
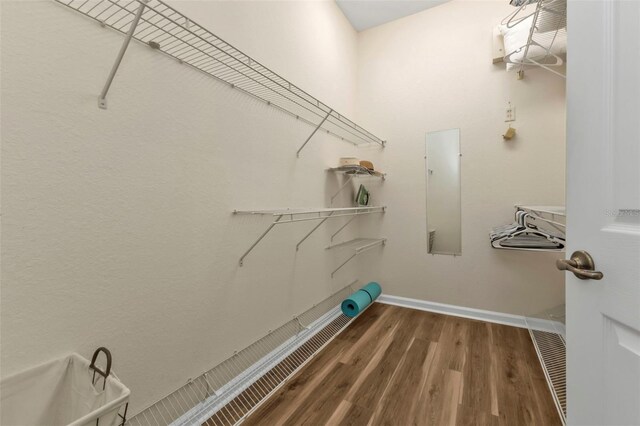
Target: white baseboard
[(476, 314)]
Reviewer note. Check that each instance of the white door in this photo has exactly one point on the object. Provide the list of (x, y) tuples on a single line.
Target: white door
[(603, 211)]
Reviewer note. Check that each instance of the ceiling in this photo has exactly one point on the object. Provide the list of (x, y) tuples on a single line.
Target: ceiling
[(365, 14)]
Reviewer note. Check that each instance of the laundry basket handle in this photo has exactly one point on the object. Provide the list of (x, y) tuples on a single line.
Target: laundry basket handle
[(95, 369)]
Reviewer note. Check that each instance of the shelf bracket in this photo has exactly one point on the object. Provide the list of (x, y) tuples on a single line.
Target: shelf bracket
[(342, 227), (313, 230), (344, 263), (343, 186), (102, 99), (314, 132), (264, 234), (357, 252)]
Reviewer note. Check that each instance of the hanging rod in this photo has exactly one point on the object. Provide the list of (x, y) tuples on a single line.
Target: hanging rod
[(174, 34), (359, 246), (303, 215)]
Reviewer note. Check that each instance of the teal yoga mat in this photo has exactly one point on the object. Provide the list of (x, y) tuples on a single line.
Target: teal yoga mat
[(358, 301)]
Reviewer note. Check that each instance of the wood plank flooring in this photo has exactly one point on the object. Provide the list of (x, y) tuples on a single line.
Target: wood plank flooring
[(397, 366)]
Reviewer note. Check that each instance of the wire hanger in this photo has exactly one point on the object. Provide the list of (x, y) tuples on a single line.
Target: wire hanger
[(510, 20)]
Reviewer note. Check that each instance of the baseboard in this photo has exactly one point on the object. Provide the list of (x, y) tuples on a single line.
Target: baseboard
[(476, 314)]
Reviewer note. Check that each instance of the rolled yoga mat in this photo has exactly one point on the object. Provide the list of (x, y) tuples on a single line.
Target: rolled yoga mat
[(358, 301)]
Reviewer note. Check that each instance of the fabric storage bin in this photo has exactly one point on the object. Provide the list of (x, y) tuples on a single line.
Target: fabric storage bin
[(67, 391)]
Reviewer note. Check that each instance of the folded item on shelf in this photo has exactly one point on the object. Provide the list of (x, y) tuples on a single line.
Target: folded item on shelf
[(348, 161)]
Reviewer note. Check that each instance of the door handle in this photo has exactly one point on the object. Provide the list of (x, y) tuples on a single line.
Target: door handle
[(581, 264)]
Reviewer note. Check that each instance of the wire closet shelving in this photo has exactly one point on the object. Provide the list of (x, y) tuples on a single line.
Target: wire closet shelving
[(352, 172), (230, 391), (537, 228), (285, 216), (357, 246), (154, 23), (547, 32)]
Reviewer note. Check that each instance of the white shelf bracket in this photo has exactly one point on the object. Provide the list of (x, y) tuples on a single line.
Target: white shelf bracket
[(342, 227), (358, 251), (343, 186), (313, 230), (264, 234), (344, 263), (102, 99), (314, 132)]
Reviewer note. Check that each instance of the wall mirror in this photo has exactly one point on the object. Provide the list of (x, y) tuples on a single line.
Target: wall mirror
[(443, 192)]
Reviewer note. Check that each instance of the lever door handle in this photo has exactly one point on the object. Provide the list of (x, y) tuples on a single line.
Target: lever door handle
[(581, 264)]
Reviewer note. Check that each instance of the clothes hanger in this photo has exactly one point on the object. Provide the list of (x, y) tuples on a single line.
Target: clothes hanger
[(523, 235), (510, 20)]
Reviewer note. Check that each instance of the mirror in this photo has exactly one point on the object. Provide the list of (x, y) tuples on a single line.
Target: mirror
[(443, 192)]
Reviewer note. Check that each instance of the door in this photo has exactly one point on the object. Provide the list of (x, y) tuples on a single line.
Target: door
[(603, 211)]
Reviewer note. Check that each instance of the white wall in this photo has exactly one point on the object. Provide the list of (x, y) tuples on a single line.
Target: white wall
[(116, 225), (433, 71)]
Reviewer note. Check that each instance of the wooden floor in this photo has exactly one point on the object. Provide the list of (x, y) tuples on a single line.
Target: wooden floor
[(397, 366)]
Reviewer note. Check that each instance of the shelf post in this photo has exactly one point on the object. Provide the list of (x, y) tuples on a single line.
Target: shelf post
[(314, 132), (102, 99), (313, 230), (264, 234)]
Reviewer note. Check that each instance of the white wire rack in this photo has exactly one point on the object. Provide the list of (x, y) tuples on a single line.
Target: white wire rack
[(230, 391), (162, 27), (353, 172), (357, 171), (547, 36), (553, 216), (551, 350), (357, 247), (537, 228), (284, 216)]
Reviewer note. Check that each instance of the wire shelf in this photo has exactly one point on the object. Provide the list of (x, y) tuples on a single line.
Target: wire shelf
[(537, 228), (551, 210), (357, 247), (551, 351), (357, 171), (304, 215), (359, 244), (321, 212), (228, 392), (352, 172), (547, 36), (176, 35)]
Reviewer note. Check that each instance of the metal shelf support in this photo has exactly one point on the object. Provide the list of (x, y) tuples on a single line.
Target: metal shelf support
[(341, 228), (313, 230), (264, 234), (358, 251), (322, 216), (102, 99), (314, 132), (343, 186)]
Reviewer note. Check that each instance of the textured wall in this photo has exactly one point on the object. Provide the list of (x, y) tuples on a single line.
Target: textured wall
[(433, 71), (117, 227)]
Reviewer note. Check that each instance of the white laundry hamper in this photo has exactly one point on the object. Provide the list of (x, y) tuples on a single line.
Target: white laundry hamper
[(67, 391)]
